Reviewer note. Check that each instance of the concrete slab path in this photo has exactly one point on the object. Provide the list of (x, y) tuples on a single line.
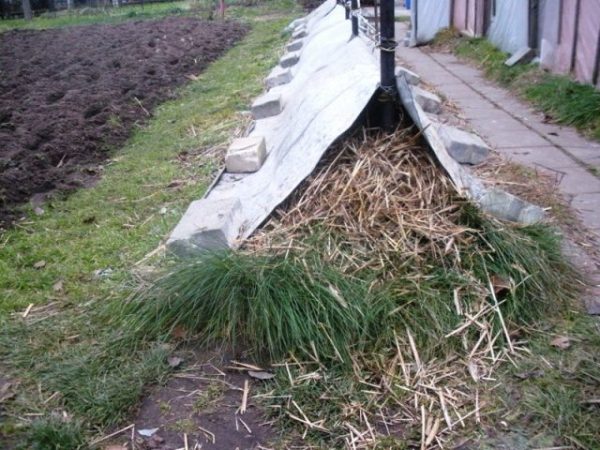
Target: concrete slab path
[(513, 128)]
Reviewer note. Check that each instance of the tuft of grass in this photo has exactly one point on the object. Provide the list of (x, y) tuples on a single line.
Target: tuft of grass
[(54, 433), (564, 99), (571, 103), (268, 306)]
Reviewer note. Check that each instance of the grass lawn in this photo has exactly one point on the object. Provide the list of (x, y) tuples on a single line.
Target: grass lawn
[(565, 100), (85, 250)]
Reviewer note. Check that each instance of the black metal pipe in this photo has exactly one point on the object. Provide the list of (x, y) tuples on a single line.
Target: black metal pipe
[(387, 49), (354, 18)]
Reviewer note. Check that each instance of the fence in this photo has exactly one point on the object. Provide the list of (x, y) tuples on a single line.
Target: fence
[(565, 33)]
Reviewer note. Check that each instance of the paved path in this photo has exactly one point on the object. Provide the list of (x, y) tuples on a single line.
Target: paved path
[(513, 128)]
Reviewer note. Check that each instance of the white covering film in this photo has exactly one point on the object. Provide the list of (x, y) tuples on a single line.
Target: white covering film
[(509, 27), (428, 17), (333, 82)]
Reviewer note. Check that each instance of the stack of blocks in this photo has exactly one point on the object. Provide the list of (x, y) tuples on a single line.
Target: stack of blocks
[(247, 154)]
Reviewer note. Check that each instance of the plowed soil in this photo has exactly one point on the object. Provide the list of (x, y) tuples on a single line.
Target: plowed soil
[(69, 96)]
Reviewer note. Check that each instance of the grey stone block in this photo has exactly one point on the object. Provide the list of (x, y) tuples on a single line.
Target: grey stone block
[(246, 154), (267, 105), (523, 55), (278, 76), (206, 225), (289, 60), (506, 206), (294, 45), (464, 147), (295, 24), (300, 33), (430, 103), (411, 77)]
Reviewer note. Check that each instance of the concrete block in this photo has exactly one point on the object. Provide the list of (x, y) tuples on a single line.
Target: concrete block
[(278, 76), (289, 60), (246, 154), (410, 76), (217, 230), (464, 147), (295, 24), (523, 55), (295, 45), (430, 103), (267, 105), (300, 33), (506, 206)]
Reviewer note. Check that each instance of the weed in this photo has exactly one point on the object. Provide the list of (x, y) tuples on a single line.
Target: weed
[(208, 396)]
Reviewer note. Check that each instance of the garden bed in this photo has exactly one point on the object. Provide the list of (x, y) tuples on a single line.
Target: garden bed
[(69, 96)]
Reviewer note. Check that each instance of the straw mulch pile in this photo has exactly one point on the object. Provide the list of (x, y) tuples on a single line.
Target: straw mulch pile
[(377, 202)]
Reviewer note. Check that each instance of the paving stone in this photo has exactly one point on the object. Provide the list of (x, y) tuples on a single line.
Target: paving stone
[(464, 147), (411, 77), (278, 76), (588, 206), (289, 59), (520, 136), (430, 103), (295, 45), (206, 225), (578, 180), (246, 154), (547, 157), (300, 33), (267, 105)]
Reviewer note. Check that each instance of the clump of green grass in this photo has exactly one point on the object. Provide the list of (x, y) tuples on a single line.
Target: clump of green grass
[(561, 97), (571, 103), (269, 306), (54, 433)]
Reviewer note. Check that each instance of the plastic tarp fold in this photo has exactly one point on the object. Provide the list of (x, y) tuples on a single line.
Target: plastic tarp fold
[(509, 26), (428, 17), (333, 81)]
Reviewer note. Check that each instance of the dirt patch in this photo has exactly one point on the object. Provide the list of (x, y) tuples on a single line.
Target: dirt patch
[(201, 403), (68, 96)]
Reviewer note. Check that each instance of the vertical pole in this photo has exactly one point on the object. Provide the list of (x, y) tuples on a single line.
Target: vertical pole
[(387, 62), (354, 18), (347, 8)]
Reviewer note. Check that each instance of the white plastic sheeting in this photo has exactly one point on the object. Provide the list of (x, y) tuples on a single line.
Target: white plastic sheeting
[(332, 83), (509, 26), (428, 17)]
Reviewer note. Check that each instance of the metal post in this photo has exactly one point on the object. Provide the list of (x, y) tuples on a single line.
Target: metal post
[(355, 18), (387, 61), (347, 8)]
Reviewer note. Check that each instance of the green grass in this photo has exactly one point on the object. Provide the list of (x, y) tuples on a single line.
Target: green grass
[(268, 306), (562, 98), (558, 399), (200, 8), (89, 16), (72, 348), (55, 434)]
